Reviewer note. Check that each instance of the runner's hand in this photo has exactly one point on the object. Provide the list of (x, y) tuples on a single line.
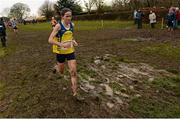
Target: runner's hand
[(60, 44), (75, 43)]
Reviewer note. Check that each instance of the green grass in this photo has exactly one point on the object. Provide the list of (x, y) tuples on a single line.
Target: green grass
[(171, 84), (36, 27), (87, 25), (2, 52), (86, 71), (153, 108), (81, 25), (163, 106), (95, 25), (148, 26), (172, 70), (7, 50), (165, 50)]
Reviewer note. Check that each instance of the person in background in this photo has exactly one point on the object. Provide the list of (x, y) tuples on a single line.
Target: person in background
[(53, 22), (2, 32), (170, 20), (14, 25), (139, 16), (134, 16), (175, 25), (24, 21), (152, 19), (178, 17), (9, 24)]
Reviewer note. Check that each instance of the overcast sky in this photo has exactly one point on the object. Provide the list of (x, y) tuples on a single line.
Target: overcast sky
[(33, 4)]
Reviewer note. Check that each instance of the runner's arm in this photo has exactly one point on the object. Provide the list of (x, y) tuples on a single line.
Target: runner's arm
[(74, 41), (53, 34)]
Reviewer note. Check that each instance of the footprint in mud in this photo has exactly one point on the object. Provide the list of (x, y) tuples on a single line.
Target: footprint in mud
[(87, 87)]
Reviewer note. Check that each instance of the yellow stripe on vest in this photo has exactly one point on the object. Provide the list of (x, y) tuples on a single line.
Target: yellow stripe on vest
[(67, 37)]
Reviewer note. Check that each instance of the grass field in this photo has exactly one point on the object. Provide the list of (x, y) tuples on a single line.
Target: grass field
[(87, 25), (140, 66)]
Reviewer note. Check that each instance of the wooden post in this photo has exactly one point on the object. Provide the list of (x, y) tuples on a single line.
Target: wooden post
[(162, 23)]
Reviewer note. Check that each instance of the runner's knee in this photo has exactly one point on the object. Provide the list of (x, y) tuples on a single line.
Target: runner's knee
[(73, 73)]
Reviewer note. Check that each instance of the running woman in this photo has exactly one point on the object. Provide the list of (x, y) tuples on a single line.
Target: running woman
[(14, 25), (63, 46)]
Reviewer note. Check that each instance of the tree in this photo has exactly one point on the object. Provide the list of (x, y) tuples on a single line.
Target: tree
[(20, 11), (47, 9), (99, 5), (71, 4), (148, 3), (121, 4), (107, 8), (89, 4), (157, 3)]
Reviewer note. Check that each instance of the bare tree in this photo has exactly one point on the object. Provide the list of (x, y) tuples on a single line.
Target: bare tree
[(117, 5), (99, 5), (120, 4), (151, 3), (135, 4), (148, 3), (89, 4), (47, 9)]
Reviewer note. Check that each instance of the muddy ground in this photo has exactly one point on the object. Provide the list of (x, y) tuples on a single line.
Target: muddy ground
[(116, 77)]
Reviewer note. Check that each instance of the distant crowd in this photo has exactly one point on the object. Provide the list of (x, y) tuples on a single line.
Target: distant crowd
[(172, 19)]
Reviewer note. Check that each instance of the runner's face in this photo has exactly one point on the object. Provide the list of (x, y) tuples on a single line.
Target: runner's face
[(67, 17)]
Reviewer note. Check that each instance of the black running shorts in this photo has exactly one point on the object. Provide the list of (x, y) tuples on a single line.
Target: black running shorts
[(61, 58)]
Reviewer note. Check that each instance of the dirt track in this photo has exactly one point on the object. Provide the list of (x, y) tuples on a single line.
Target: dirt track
[(31, 90)]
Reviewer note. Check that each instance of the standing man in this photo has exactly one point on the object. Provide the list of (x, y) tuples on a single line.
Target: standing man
[(139, 16)]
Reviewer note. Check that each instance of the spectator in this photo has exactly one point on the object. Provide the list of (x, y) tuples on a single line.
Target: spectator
[(134, 16), (139, 16), (2, 32), (152, 18), (178, 17), (170, 20)]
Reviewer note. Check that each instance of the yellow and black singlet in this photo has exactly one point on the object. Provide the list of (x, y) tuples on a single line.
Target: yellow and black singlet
[(64, 36)]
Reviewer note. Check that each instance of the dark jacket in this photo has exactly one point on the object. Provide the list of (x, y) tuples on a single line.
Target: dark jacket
[(139, 15), (2, 29)]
